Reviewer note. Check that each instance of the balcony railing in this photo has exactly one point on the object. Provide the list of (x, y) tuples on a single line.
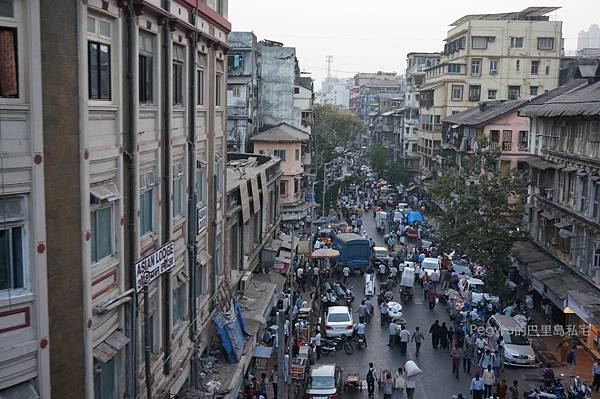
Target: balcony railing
[(432, 127)]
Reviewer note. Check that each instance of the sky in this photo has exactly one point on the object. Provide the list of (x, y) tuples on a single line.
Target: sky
[(376, 35)]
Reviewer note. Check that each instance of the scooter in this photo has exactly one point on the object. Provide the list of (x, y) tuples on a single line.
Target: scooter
[(336, 344), (360, 341), (579, 390)]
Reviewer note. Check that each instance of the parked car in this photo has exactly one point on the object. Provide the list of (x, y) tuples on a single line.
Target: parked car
[(517, 347), (477, 290), (324, 382), (338, 321), (462, 269), (380, 255)]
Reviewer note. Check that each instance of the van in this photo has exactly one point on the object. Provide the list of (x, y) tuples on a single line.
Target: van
[(517, 347), (381, 220)]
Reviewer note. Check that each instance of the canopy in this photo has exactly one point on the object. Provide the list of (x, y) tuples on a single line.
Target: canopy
[(414, 216), (325, 253)]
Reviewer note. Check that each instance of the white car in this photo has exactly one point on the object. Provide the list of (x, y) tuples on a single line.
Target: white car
[(324, 381), (477, 289), (430, 264), (338, 321), (394, 310), (517, 348)]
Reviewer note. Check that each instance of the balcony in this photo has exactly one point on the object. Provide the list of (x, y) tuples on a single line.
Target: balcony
[(431, 127)]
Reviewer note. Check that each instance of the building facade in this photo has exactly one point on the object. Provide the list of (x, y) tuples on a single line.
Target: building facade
[(243, 85), (24, 335), (589, 39), (135, 170), (335, 91), (486, 57)]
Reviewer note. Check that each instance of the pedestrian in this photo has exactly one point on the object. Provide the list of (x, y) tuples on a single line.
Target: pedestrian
[(410, 387), (501, 390), (456, 354), (468, 355), (362, 312), (317, 341), (485, 360), (563, 347), (370, 309), (489, 379), (404, 340), (596, 375), (264, 385), (514, 390), (431, 297), (392, 331), (444, 336), (399, 384), (383, 310), (387, 386), (417, 338), (346, 271), (571, 360), (434, 331), (497, 363), (371, 377), (274, 377), (477, 387)]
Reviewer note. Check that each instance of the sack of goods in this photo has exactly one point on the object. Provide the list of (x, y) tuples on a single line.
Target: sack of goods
[(412, 370), (408, 277)]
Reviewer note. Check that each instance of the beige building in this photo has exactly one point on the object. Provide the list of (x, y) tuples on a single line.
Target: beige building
[(508, 56), (290, 145)]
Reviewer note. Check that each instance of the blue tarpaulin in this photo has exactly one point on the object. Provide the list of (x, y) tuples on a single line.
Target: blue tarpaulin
[(231, 331), (414, 216)]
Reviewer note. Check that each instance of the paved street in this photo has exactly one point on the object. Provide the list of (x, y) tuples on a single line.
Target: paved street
[(436, 381)]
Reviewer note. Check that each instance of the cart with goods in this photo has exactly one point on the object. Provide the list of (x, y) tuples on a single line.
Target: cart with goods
[(299, 373), (407, 283), (353, 382)]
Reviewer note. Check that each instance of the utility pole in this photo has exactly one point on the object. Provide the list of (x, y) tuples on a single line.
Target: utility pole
[(324, 183), (329, 61), (280, 353)]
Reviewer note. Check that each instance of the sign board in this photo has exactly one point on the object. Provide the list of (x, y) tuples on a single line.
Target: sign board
[(153, 265), (309, 197), (202, 218)]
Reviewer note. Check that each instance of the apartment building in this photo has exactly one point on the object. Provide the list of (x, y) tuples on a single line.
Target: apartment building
[(135, 144), (24, 336), (562, 258), (507, 56), (335, 91), (290, 145), (243, 85)]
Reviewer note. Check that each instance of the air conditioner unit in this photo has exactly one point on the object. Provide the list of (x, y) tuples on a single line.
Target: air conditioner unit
[(245, 282), (491, 38)]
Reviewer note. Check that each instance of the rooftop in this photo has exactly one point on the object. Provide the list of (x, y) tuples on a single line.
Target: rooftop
[(576, 99), (243, 167), (485, 113), (528, 14), (281, 133)]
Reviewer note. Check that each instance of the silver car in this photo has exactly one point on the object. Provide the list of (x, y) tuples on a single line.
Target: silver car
[(324, 382)]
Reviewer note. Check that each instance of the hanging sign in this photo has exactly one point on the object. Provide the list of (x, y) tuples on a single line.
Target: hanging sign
[(153, 265)]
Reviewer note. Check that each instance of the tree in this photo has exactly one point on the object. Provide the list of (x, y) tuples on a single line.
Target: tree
[(396, 174), (334, 128), (378, 158), (483, 211)]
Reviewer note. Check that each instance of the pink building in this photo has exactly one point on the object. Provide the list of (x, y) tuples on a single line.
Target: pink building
[(499, 122)]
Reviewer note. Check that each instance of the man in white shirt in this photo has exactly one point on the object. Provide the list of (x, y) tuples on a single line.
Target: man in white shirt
[(346, 272), (435, 277), (392, 331), (317, 341), (404, 340)]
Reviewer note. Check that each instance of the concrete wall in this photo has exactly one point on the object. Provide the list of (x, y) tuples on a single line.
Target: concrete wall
[(514, 123), (277, 86), (290, 166)]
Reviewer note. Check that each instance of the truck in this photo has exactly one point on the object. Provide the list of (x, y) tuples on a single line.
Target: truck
[(355, 251)]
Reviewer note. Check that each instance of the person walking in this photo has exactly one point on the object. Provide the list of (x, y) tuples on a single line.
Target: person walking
[(497, 364), (317, 341), (489, 379), (417, 338), (502, 390), (571, 360), (371, 377), (393, 332), (431, 297), (477, 387), (514, 390), (444, 336), (346, 272), (563, 348), (596, 376), (468, 355), (264, 385), (274, 377), (435, 335), (404, 335), (456, 354), (363, 311), (383, 310), (387, 386), (410, 387), (370, 309), (399, 384)]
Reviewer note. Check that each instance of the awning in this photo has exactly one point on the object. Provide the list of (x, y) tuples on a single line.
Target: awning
[(586, 305), (204, 257), (263, 352), (455, 126), (432, 86), (117, 340), (24, 390), (539, 163), (562, 224), (107, 349), (548, 215), (104, 192)]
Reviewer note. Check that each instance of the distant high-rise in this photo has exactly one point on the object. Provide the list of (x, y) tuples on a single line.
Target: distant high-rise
[(589, 39)]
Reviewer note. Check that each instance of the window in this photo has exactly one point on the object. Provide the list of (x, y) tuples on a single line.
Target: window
[(297, 154), (547, 69), (99, 73), (178, 190), (516, 42), (454, 68), (7, 8), (596, 208), (535, 67), (296, 90), (146, 64), (235, 61), (518, 65), (280, 154), (457, 92), (178, 303), (493, 66), (523, 140), (507, 140), (584, 194), (236, 91), (479, 42), (147, 183), (178, 60), (514, 92), (296, 186), (200, 94), (494, 138), (105, 380), (220, 7), (11, 257), (200, 185), (596, 259), (102, 223), (545, 43), (9, 78), (474, 92), (282, 187), (218, 80), (533, 90), (492, 93), (476, 66)]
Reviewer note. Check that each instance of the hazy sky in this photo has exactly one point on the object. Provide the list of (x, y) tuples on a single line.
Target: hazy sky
[(373, 35)]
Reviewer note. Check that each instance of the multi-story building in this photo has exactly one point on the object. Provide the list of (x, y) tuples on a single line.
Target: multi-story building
[(290, 145), (134, 136), (370, 88), (243, 84), (562, 258), (589, 39), (506, 56), (335, 91), (499, 122), (24, 335)]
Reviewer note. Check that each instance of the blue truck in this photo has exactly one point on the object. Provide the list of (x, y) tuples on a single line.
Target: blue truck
[(355, 251)]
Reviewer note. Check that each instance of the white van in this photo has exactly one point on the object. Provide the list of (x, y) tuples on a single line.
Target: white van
[(381, 220)]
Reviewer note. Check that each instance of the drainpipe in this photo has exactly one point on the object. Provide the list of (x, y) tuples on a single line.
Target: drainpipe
[(129, 159), (166, 197), (192, 211)]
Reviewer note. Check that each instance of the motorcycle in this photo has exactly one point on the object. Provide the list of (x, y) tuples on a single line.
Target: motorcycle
[(336, 344), (579, 390), (360, 341)]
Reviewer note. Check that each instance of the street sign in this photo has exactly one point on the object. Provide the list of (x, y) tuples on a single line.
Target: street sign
[(309, 197), (202, 219), (153, 265)]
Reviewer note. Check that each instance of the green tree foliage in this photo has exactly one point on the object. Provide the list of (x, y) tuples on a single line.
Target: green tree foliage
[(483, 208), (385, 167), (333, 128)]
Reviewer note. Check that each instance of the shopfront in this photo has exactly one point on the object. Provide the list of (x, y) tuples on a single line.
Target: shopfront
[(585, 308)]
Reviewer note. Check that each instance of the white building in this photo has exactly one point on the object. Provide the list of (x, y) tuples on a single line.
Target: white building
[(589, 39), (335, 91)]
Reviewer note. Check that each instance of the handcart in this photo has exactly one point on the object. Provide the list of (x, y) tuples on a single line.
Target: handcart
[(353, 382), (407, 283)]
